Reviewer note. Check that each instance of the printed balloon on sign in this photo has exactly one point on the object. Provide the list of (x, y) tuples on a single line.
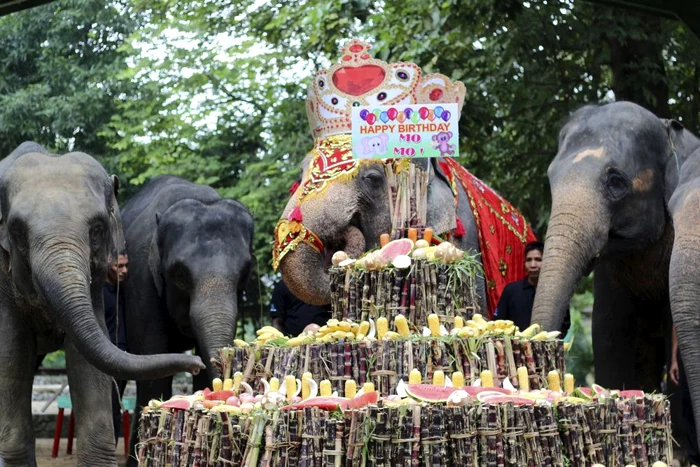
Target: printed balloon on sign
[(377, 113), (392, 113), (431, 115), (423, 112), (415, 117), (384, 117), (401, 117), (438, 111), (408, 113), (446, 115), (371, 118), (363, 114)]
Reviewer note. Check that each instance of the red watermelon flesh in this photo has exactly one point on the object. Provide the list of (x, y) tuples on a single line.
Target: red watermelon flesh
[(632, 393), (219, 395), (429, 392), (182, 404), (501, 399), (323, 403), (474, 391), (367, 398), (586, 391), (598, 389), (391, 250), (484, 395)]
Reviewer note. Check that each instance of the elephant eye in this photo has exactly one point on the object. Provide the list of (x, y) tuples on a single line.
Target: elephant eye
[(18, 233), (616, 184), (373, 177)]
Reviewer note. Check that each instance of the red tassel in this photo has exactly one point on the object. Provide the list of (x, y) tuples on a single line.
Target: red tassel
[(295, 215), (459, 231), (294, 187)]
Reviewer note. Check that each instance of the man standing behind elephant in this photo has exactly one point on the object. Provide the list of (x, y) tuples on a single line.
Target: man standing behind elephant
[(517, 298), (290, 315), (113, 293)]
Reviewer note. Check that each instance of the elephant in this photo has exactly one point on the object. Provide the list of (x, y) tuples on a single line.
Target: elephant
[(626, 205), (59, 222), (190, 254), (360, 213)]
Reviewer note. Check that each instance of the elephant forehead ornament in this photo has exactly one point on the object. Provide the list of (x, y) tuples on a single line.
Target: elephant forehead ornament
[(357, 79)]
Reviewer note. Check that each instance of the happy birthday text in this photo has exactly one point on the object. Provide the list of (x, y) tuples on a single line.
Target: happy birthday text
[(405, 128)]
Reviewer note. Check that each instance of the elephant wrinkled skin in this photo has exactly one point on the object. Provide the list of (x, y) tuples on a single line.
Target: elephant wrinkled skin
[(626, 203), (190, 254), (59, 222)]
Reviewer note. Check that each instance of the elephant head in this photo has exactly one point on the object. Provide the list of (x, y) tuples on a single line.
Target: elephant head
[(609, 188), (200, 259), (350, 214), (60, 222)]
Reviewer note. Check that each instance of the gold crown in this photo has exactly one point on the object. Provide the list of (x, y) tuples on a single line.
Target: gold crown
[(358, 79)]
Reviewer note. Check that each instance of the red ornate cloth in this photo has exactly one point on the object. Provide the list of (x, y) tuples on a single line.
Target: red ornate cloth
[(503, 232)]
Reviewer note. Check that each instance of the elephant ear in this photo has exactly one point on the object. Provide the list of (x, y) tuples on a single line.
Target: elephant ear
[(442, 213), (4, 241), (154, 260)]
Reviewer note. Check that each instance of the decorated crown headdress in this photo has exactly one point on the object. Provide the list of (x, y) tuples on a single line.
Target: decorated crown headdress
[(358, 79)]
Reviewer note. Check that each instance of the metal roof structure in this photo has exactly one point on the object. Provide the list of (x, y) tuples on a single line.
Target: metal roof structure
[(10, 6)]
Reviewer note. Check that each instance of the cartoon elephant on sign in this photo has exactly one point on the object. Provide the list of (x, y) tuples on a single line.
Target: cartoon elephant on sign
[(626, 204), (442, 142), (374, 145), (190, 254), (59, 223)]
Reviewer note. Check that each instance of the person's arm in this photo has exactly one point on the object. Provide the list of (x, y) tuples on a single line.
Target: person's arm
[(673, 371)]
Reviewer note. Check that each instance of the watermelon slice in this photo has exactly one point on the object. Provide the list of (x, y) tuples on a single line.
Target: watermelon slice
[(367, 398), (219, 395), (474, 391), (496, 398), (332, 403), (483, 396), (429, 392), (391, 250), (182, 404), (598, 389), (585, 391), (629, 393)]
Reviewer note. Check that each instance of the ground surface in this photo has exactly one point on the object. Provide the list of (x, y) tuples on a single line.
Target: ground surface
[(43, 453)]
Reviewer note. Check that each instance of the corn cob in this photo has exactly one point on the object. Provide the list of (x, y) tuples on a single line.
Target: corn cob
[(325, 388), (402, 325), (217, 384), (486, 379), (228, 384), (368, 387), (553, 381), (459, 322), (415, 377), (439, 378), (434, 325), (291, 383), (568, 383), (382, 327), (457, 379), (362, 330), (274, 384), (350, 389), (237, 378), (523, 379)]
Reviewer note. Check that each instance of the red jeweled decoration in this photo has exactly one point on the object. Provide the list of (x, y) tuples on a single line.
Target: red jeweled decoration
[(435, 94), (356, 81)]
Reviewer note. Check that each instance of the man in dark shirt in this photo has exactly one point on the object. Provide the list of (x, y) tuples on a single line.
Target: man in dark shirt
[(113, 293), (290, 315), (517, 297)]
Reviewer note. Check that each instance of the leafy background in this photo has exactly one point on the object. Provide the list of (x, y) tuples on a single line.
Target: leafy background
[(213, 90)]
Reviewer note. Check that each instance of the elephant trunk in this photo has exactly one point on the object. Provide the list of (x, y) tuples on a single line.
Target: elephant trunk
[(213, 314), (304, 269), (684, 287), (62, 275), (577, 233)]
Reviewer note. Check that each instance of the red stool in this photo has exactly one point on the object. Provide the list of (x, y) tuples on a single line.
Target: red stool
[(64, 402)]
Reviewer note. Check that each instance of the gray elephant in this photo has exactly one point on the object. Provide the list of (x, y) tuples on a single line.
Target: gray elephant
[(59, 222), (349, 212), (625, 203), (190, 254)]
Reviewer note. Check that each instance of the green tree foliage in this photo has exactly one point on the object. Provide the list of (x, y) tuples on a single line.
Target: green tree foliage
[(59, 66)]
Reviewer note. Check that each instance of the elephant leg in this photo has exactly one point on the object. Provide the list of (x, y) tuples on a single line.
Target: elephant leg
[(614, 332), (651, 345), (17, 360), (92, 404), (145, 391)]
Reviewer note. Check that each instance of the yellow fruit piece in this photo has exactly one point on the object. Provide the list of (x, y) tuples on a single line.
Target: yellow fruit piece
[(325, 388), (458, 379), (363, 329), (568, 383), (478, 317), (228, 384), (349, 336), (415, 377), (459, 322), (523, 379), (237, 378), (402, 325), (268, 329), (567, 346), (326, 338), (439, 378), (531, 330), (338, 334), (368, 387), (490, 325), (359, 336), (434, 325), (486, 379), (350, 389), (539, 336), (332, 324), (240, 343), (323, 330), (217, 384), (392, 336), (306, 386), (509, 330), (344, 326), (354, 327), (295, 341), (553, 334), (274, 384), (466, 332), (382, 327), (498, 332), (553, 381), (291, 383)]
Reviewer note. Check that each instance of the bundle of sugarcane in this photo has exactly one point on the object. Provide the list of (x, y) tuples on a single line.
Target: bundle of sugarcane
[(461, 428), (490, 436), (433, 436), (408, 188), (513, 435), (549, 436)]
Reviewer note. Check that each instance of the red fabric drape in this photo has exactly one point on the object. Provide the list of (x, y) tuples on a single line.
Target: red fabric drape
[(503, 233)]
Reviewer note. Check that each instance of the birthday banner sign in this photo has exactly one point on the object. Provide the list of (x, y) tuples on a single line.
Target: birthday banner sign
[(413, 130)]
